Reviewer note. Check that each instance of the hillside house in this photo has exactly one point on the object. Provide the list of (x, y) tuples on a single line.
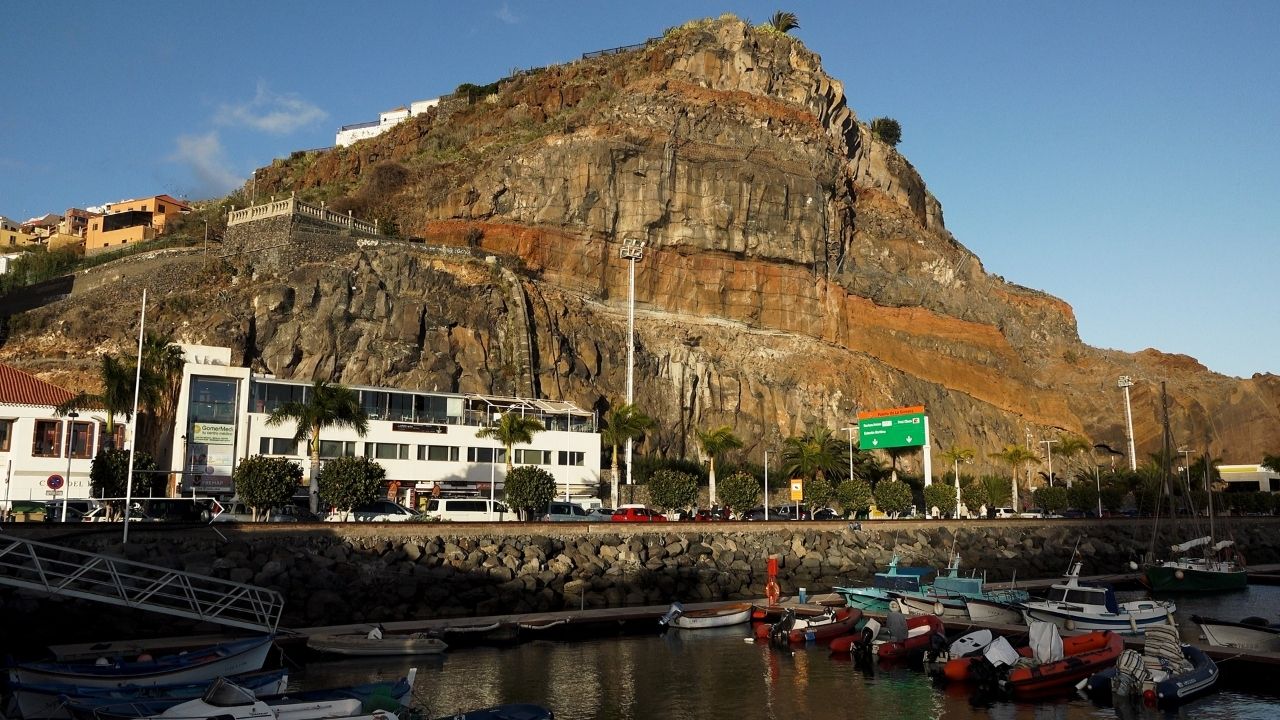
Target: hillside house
[(132, 221)]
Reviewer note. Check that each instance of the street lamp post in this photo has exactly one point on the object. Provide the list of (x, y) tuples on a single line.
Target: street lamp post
[(966, 462), (1125, 382), (1097, 481), (766, 484), (1186, 462), (71, 450), (851, 431), (632, 251), (1049, 448)]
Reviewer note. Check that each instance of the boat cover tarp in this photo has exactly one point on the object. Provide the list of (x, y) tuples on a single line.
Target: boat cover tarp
[(1183, 547), (1000, 653), (1223, 544), (1162, 653), (1046, 643)]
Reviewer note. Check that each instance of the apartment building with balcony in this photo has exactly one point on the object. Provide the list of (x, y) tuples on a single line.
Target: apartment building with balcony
[(131, 221)]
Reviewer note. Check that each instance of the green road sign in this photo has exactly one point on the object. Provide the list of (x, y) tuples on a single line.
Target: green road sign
[(878, 433)]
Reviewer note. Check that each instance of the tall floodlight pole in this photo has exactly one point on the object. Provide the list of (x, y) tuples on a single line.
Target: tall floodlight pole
[(133, 421), (1048, 444), (851, 431), (632, 251), (766, 484), (1125, 383), (71, 448), (1186, 463)]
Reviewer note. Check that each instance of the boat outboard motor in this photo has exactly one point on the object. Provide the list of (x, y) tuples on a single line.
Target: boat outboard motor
[(675, 611), (780, 633)]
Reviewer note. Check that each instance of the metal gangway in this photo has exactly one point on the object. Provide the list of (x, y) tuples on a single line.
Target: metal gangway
[(59, 570)]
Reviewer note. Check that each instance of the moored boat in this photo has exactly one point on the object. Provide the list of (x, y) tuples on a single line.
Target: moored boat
[(795, 630), (230, 658), (1166, 674), (1197, 574), (947, 595), (723, 616), (1074, 606), (924, 632), (505, 712), (377, 643), (1081, 656), (1249, 634), (876, 598), (992, 611), (60, 701)]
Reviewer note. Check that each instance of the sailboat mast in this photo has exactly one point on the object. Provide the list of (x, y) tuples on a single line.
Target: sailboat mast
[(1208, 488)]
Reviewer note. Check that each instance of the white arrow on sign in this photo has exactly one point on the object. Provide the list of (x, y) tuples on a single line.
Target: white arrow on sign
[(876, 441), (908, 438)]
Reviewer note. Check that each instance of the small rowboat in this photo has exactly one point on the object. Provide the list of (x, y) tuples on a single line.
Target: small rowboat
[(774, 613), (62, 701), (724, 616), (795, 630), (230, 658), (375, 644)]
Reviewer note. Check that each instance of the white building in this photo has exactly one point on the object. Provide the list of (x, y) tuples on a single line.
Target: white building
[(1249, 478), (425, 440), (43, 456), (350, 134)]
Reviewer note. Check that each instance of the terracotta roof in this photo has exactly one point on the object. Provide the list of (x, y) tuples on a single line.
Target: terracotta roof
[(19, 388)]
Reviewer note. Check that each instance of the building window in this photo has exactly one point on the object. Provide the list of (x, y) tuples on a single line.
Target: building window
[(116, 438), (269, 396), (330, 449), (6, 435), (47, 439), (81, 440), (277, 446), (374, 404), (159, 208), (486, 455), (438, 453), (386, 451), (571, 457), (533, 457)]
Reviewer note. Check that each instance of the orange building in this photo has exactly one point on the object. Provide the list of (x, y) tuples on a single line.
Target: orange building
[(131, 221)]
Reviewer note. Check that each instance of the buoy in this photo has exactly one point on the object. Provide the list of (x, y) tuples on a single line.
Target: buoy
[(1178, 574), (1149, 697), (1133, 565), (894, 606), (1071, 624), (938, 609)]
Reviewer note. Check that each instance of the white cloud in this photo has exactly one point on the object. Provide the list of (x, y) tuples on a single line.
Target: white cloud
[(505, 15), (270, 112), (204, 156)]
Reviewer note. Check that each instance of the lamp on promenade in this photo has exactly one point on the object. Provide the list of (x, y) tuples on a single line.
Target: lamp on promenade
[(71, 450), (1125, 382), (851, 431), (1048, 444), (766, 484), (632, 251)]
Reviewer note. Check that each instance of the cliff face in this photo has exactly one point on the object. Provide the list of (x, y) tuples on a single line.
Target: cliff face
[(796, 270)]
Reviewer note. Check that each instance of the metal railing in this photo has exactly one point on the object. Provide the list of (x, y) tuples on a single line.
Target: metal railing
[(58, 570)]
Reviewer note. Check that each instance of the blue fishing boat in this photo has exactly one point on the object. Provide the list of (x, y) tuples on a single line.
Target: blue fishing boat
[(62, 701), (948, 594), (876, 597)]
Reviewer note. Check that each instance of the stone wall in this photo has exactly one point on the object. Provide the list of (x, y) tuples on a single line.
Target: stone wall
[(382, 573)]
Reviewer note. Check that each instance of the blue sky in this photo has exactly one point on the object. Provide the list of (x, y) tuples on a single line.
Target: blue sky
[(1123, 156)]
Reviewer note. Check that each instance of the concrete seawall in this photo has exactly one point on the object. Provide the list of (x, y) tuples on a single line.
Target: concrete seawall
[(333, 574)]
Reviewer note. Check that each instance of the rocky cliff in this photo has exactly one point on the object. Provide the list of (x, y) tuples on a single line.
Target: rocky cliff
[(796, 270)]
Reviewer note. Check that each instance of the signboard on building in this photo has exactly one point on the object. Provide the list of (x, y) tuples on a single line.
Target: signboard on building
[(894, 428), (213, 433)]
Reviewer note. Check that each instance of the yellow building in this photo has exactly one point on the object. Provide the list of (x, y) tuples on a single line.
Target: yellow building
[(131, 221), (12, 236)]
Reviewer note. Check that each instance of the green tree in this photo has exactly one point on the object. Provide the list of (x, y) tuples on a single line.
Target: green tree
[(974, 494), (115, 399), (326, 406), (941, 496), (854, 495), (784, 22), (264, 482), (817, 453), (1271, 462), (161, 385), (622, 423), (347, 482), (819, 492), (512, 429), (1016, 456), (529, 489), (672, 489), (1083, 495), (1052, 500), (1113, 496), (893, 496), (888, 130), (740, 491), (110, 468), (1069, 448), (997, 489), (715, 443)]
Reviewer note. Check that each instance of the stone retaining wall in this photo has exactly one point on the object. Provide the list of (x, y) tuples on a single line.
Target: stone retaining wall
[(366, 573)]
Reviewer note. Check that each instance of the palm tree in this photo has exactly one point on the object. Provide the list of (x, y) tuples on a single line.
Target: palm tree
[(510, 429), (161, 384), (624, 422), (1069, 447), (957, 455), (325, 406), (116, 397), (817, 453), (1016, 456), (714, 444), (784, 21)]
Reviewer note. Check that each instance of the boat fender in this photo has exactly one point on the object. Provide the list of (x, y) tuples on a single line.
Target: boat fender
[(1133, 623), (1179, 574), (1168, 618), (1071, 624), (938, 609)]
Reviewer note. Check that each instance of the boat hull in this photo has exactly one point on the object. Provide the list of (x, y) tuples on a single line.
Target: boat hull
[(360, 645), (1239, 635), (866, 599), (987, 611), (231, 658), (1084, 655), (1172, 578), (64, 701), (1171, 691), (713, 618), (817, 630), (1131, 621)]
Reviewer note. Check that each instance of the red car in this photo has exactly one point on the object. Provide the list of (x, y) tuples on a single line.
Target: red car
[(636, 513)]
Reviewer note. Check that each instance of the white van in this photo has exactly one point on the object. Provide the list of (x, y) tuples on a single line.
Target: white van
[(1006, 512), (467, 510)]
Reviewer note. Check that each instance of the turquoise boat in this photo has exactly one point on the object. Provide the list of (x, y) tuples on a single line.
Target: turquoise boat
[(947, 595), (877, 596)]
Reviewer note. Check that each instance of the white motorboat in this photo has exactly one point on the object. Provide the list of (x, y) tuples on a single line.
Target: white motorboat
[(230, 658), (227, 701), (1250, 634), (723, 616), (991, 611), (1072, 606)]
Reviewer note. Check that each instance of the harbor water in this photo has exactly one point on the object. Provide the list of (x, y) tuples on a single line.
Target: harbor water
[(719, 675)]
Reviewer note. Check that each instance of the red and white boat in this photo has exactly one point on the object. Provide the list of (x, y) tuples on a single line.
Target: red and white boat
[(795, 630)]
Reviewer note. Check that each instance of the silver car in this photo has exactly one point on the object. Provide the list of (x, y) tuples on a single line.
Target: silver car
[(561, 511), (376, 511)]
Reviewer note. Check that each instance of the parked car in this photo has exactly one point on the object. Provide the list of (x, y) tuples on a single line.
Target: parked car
[(1006, 512), (467, 509), (76, 509), (636, 513), (234, 511), (561, 511), (781, 512), (290, 513), (376, 511), (826, 513)]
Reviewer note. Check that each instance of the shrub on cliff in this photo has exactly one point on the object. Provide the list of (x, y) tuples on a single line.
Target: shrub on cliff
[(739, 491), (887, 129), (346, 482), (941, 496), (672, 489), (893, 496), (854, 495), (110, 468), (529, 489), (264, 482)]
